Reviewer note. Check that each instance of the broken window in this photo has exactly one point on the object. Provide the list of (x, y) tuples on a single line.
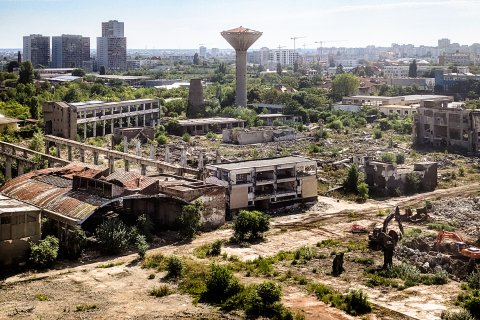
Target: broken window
[(454, 134), (5, 220)]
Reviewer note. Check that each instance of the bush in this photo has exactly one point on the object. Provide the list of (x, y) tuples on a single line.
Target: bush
[(174, 267), (457, 315), (186, 137), (221, 284), (400, 158), (356, 303), (250, 225), (413, 183), (377, 134), (305, 253), (112, 236), (44, 254), (210, 135), (160, 291), (264, 301), (142, 245), (162, 139), (313, 148), (472, 304), (145, 226), (216, 248), (189, 220), (362, 189), (388, 157), (473, 280)]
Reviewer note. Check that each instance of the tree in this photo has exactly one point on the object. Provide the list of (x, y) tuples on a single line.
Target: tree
[(189, 221), (250, 225), (78, 72), (12, 65), (339, 69), (412, 69), (26, 73), (44, 253), (102, 70), (362, 189), (196, 59), (344, 85), (351, 182), (279, 69)]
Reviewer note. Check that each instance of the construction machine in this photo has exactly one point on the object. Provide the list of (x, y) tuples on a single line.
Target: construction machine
[(462, 247), (383, 239)]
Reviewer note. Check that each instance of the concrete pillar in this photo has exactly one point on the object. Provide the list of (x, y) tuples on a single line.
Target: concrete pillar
[(69, 148), (152, 152), (218, 157), (95, 157), (111, 164), (112, 124), (46, 147), (143, 169), (82, 155), (183, 158), (103, 127), (20, 167), (144, 120), (138, 150), (8, 168), (153, 123), (127, 165), (95, 128), (58, 149), (167, 154), (200, 161), (128, 122), (120, 122), (85, 131), (241, 87), (125, 145), (50, 163), (136, 120)]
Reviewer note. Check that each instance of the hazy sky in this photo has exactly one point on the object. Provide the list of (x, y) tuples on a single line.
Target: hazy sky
[(163, 24)]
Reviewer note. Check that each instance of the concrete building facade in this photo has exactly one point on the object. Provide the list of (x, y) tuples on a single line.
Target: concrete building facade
[(204, 125), (258, 135), (265, 182), (36, 48), (97, 117), (112, 46), (70, 51)]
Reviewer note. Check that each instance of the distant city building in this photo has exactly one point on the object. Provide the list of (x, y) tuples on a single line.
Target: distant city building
[(112, 46), (458, 59), (443, 43), (202, 52), (70, 51), (36, 48), (214, 52), (286, 57)]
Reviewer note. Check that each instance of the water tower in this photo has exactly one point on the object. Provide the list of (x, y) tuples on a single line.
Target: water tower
[(241, 39)]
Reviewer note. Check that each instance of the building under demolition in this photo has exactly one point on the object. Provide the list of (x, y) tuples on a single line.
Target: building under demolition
[(389, 179), (78, 194), (258, 135), (97, 118), (265, 182), (440, 126)]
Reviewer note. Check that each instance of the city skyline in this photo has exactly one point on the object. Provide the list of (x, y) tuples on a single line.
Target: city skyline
[(187, 25)]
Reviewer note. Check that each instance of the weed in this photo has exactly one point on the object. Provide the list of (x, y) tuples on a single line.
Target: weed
[(109, 265), (357, 245), (412, 233), (160, 291), (328, 243), (363, 260), (154, 261), (85, 307), (151, 276), (41, 297), (305, 253), (439, 226), (461, 314), (174, 267)]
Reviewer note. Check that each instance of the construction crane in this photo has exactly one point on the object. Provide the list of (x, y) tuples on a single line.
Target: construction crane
[(321, 46), (294, 41)]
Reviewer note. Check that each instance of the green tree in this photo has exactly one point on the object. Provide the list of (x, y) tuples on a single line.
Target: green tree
[(78, 72), (412, 69), (44, 253), (279, 69), (12, 65), (250, 225), (196, 59), (189, 221), (362, 189), (344, 85), (351, 182), (38, 142), (339, 69), (26, 73), (102, 70)]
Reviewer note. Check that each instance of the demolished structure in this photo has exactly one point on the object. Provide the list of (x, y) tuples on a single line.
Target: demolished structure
[(265, 182), (258, 135), (389, 179), (81, 195), (437, 125), (204, 125)]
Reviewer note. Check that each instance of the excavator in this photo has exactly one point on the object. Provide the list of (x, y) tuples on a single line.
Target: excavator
[(463, 250), (384, 240)]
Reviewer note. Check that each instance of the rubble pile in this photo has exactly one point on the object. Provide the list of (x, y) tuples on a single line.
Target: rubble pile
[(420, 252), (462, 212)]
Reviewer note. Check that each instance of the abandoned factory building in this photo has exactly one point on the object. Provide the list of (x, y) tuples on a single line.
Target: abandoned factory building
[(92, 118), (81, 195), (264, 182), (439, 126)]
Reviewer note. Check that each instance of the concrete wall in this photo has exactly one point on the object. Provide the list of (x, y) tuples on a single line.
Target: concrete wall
[(60, 120), (244, 137), (309, 186), (239, 197)]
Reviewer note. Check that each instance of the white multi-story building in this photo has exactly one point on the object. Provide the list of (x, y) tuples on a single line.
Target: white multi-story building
[(202, 52), (112, 46), (286, 57), (395, 71), (36, 48)]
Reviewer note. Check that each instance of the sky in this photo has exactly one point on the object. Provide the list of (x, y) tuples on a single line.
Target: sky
[(184, 24)]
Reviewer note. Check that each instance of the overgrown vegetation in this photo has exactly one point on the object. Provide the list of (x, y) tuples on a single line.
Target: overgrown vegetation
[(189, 221), (160, 291), (44, 253), (250, 225), (113, 236)]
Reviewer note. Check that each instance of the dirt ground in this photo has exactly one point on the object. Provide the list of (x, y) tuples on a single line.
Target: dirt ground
[(121, 291)]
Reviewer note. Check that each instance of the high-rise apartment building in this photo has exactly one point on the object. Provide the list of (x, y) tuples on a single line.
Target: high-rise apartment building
[(112, 46), (36, 48), (70, 51), (202, 52)]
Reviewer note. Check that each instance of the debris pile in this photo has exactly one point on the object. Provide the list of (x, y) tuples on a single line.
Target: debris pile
[(461, 212)]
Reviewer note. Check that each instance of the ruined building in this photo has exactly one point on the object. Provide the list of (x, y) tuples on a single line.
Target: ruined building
[(258, 135), (390, 179), (97, 118), (195, 98), (265, 182), (439, 126)]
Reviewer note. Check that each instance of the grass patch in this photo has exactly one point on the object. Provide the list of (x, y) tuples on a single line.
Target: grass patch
[(438, 226), (208, 249), (357, 245), (328, 243), (154, 261), (352, 216), (364, 261), (412, 233), (109, 265), (85, 307), (160, 291), (41, 297)]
